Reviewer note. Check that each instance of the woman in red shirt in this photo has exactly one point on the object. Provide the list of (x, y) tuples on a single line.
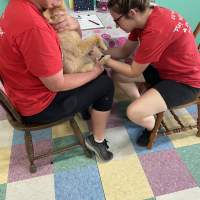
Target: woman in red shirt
[(166, 55)]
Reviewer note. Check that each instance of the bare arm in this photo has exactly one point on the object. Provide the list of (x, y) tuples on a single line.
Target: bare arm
[(133, 70), (62, 82), (124, 51)]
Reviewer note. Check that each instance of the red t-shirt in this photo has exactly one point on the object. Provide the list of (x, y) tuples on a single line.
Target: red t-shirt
[(168, 43), (29, 49)]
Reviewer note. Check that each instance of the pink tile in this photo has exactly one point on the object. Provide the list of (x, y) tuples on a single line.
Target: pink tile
[(19, 164), (166, 172)]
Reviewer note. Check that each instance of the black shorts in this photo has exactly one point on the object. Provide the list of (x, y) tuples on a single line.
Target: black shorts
[(173, 93), (97, 93)]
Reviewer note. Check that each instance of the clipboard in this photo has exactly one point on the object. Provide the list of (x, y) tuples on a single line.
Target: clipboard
[(89, 21)]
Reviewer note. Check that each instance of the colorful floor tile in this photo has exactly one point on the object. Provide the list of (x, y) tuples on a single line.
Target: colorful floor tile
[(169, 171)]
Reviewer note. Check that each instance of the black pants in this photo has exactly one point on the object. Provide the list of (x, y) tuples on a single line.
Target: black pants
[(173, 93), (97, 93)]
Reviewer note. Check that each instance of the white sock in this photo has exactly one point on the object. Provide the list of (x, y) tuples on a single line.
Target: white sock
[(98, 141)]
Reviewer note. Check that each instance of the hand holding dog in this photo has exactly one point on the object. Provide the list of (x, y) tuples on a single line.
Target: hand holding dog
[(65, 22)]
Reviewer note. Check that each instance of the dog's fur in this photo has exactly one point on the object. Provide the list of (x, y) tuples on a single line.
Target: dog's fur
[(75, 50)]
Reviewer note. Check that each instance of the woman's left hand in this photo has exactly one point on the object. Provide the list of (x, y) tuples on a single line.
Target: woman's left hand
[(65, 22)]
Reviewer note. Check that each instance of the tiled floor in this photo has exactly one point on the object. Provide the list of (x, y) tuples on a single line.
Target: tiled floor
[(170, 171)]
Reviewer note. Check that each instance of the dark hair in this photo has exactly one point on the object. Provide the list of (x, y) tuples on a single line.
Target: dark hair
[(123, 6)]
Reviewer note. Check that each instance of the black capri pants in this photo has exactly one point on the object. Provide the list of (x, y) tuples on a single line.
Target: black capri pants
[(173, 93), (98, 93)]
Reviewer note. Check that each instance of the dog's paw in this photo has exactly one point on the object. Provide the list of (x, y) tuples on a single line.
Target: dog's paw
[(104, 59)]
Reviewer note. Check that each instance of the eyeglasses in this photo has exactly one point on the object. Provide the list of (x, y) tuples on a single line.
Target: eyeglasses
[(117, 20)]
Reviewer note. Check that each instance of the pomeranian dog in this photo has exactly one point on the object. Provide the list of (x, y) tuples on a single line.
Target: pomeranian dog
[(75, 50)]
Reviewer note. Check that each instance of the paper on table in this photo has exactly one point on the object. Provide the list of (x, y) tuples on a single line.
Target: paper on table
[(89, 21)]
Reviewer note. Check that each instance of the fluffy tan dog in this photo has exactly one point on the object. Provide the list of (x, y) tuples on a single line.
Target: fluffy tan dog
[(75, 50)]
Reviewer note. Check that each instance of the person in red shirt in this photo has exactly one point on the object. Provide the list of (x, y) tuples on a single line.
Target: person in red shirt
[(165, 53), (32, 72)]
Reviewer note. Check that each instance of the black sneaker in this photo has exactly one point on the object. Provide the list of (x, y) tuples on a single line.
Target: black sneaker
[(100, 149), (143, 139)]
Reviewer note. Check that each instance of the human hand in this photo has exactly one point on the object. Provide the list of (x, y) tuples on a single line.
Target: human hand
[(65, 22)]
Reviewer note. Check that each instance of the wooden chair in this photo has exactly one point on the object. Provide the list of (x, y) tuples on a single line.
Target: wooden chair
[(196, 32), (159, 117), (16, 121)]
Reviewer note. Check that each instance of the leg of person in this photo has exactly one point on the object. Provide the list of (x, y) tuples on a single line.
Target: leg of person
[(98, 94), (99, 115), (127, 85), (163, 95), (141, 112)]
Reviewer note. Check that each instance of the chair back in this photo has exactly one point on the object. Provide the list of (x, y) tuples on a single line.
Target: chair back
[(12, 114)]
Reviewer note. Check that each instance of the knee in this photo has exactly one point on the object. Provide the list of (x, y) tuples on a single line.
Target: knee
[(133, 113)]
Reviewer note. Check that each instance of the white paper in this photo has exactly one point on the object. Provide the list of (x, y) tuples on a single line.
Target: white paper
[(89, 21)]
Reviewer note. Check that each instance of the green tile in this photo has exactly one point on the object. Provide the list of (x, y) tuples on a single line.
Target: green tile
[(190, 156), (2, 191), (151, 198), (75, 158)]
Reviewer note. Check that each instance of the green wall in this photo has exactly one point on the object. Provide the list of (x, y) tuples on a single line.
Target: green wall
[(189, 9), (3, 5)]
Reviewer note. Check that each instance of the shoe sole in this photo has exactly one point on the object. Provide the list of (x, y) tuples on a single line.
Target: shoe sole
[(89, 146)]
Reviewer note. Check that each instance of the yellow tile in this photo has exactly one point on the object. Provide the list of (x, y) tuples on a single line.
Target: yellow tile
[(4, 164), (65, 129), (61, 130), (6, 134), (124, 179), (185, 138)]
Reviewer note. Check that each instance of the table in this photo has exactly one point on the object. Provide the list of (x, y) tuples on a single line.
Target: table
[(112, 36)]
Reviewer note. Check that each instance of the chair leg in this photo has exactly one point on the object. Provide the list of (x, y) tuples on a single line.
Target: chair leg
[(78, 133), (30, 151), (153, 133), (198, 120)]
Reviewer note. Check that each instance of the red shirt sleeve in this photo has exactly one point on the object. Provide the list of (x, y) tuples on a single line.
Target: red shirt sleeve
[(41, 52), (152, 45)]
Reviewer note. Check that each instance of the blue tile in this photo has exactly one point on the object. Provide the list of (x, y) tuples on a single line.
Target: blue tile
[(162, 142), (44, 134), (79, 184), (192, 110)]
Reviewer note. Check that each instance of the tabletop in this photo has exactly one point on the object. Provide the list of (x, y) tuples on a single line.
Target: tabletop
[(112, 36)]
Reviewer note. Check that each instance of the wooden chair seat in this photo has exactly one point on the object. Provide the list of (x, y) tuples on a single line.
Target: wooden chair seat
[(16, 121)]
